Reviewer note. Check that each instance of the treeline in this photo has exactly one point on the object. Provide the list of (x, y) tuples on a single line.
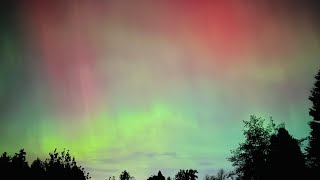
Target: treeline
[(268, 152), (56, 166)]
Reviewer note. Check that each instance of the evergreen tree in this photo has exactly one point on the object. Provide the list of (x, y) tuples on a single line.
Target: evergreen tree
[(5, 161), (38, 170), (160, 176), (285, 159), (313, 148)]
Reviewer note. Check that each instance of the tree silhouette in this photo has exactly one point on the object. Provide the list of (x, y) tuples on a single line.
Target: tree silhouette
[(157, 177), (190, 174), (221, 175), (5, 161), (112, 178), (285, 160), (57, 166), (19, 165), (63, 166), (125, 176), (249, 159), (160, 176), (208, 177), (313, 148), (14, 167), (38, 169)]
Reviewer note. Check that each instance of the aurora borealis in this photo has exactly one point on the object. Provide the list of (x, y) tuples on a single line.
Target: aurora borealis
[(152, 85)]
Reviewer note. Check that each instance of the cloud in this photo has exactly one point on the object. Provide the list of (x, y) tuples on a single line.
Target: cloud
[(104, 170), (153, 154), (206, 163), (136, 156), (170, 154), (108, 160)]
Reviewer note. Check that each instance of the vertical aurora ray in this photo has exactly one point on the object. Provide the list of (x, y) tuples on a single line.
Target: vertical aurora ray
[(151, 84)]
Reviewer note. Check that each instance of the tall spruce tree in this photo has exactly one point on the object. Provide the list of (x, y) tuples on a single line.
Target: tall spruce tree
[(285, 159), (313, 148)]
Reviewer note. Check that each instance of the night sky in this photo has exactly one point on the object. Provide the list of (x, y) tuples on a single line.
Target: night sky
[(152, 85)]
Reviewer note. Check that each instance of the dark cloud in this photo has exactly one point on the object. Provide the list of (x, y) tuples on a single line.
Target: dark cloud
[(104, 170), (170, 154), (137, 155), (153, 154), (108, 160)]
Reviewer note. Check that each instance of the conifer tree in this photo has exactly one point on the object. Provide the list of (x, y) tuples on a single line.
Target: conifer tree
[(313, 148)]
